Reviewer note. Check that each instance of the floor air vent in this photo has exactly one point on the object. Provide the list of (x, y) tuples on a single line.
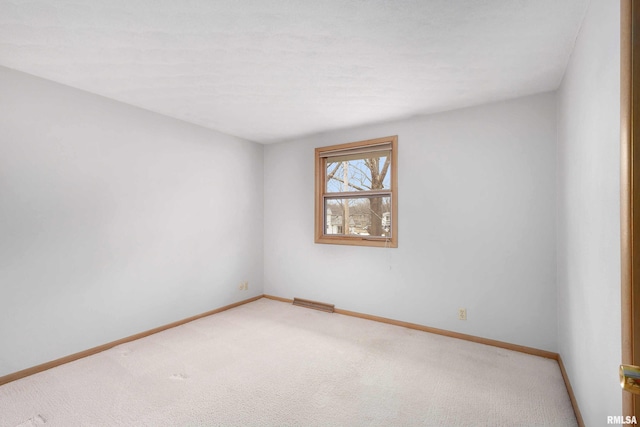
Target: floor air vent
[(313, 304)]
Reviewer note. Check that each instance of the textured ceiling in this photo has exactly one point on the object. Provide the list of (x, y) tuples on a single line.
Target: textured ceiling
[(271, 70)]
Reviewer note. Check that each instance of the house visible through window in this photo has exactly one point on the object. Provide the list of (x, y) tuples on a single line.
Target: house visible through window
[(356, 193)]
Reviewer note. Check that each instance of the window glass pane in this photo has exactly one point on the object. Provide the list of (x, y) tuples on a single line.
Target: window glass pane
[(358, 172), (365, 216)]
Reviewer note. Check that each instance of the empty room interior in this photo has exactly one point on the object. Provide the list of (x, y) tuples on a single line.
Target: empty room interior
[(170, 161)]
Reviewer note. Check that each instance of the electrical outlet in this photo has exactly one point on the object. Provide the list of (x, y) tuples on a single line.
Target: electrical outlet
[(462, 313), (241, 286), (246, 285)]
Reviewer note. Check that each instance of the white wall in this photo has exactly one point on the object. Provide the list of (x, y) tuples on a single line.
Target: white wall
[(476, 225), (589, 214), (115, 220)]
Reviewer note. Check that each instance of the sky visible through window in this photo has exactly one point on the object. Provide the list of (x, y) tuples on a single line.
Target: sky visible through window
[(356, 174)]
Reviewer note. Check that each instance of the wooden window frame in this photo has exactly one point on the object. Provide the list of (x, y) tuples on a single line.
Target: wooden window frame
[(321, 193), (629, 200)]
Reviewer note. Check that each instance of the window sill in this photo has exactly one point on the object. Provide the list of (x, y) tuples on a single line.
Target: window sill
[(379, 242)]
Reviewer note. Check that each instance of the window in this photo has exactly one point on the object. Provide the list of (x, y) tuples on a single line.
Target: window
[(356, 193)]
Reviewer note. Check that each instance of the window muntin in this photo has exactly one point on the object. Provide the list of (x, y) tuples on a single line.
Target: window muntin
[(356, 193)]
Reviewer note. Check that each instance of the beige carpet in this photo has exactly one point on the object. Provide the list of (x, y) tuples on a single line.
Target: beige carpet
[(268, 363)]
